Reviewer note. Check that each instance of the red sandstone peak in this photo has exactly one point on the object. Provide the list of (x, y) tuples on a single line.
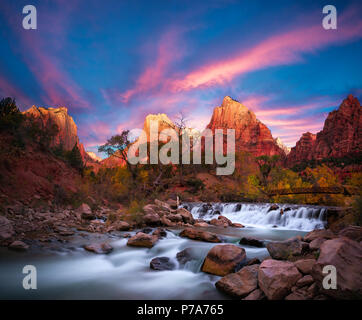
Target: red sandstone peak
[(251, 135), (67, 135), (341, 135)]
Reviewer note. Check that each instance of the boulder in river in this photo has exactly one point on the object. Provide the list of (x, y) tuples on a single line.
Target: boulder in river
[(151, 219), (186, 215), (142, 240), (201, 224), (224, 259), (241, 283), (122, 226), (200, 235), (252, 242), (86, 212), (162, 263), (225, 220), (187, 255), (237, 225), (273, 207), (218, 223), (284, 250), (160, 233), (276, 278), (99, 248), (345, 255)]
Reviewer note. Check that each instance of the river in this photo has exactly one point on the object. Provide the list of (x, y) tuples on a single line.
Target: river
[(67, 271)]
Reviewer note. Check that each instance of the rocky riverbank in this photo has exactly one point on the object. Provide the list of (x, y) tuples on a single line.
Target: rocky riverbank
[(292, 271)]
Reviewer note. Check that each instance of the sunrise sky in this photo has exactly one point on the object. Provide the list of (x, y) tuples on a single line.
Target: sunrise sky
[(113, 62)]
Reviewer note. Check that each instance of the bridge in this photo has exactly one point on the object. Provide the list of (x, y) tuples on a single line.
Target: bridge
[(345, 190)]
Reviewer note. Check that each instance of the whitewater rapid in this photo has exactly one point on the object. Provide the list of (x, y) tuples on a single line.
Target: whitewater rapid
[(293, 217)]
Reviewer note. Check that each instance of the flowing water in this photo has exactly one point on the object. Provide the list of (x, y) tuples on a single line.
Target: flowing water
[(67, 271)]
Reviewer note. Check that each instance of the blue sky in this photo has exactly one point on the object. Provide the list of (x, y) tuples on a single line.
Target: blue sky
[(113, 62)]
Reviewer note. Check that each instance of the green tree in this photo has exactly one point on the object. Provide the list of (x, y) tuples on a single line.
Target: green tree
[(266, 164), (10, 115), (75, 158)]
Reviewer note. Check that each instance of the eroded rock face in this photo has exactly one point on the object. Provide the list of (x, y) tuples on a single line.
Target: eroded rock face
[(251, 135), (346, 256), (224, 259), (200, 235), (276, 278), (241, 283), (67, 135), (142, 240), (341, 135)]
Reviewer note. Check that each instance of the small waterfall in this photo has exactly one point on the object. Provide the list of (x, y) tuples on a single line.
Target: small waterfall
[(293, 217)]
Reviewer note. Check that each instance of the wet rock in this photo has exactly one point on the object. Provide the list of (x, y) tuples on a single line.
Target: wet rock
[(99, 248), (86, 212), (273, 207), (352, 232), (151, 219), (305, 265), (319, 233), (162, 263), (257, 294), (253, 261), (346, 256), (167, 222), (218, 223), (186, 255), (201, 224), (6, 228), (284, 250), (237, 225), (186, 215), (276, 278), (142, 240), (225, 220), (160, 233), (252, 242), (18, 246), (199, 235), (224, 259), (241, 283)]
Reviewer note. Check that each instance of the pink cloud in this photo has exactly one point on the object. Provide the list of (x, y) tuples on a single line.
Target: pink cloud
[(281, 49), (7, 89)]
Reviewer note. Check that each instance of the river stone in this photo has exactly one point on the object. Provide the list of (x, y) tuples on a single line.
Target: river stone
[(241, 283), (284, 250), (316, 244), (225, 220), (6, 229), (142, 240), (122, 226), (160, 233), (276, 278), (319, 233), (218, 223), (346, 256), (151, 219), (99, 248), (305, 281), (187, 255), (251, 242), (201, 225), (224, 259), (162, 263), (199, 235), (186, 215), (175, 217), (305, 265), (237, 225)]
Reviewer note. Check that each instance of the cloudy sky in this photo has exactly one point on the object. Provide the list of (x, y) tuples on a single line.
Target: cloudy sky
[(113, 62)]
